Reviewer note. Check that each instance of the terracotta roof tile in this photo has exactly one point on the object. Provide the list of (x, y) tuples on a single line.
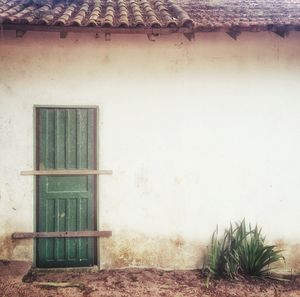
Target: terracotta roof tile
[(202, 15), (138, 20), (243, 14), (104, 13)]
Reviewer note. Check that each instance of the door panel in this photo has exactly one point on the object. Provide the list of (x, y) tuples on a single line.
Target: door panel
[(66, 140)]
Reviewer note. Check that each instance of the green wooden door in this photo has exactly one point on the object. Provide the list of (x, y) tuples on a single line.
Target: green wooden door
[(66, 140)]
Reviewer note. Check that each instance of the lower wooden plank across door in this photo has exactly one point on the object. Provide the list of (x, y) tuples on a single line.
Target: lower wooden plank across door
[(66, 203)]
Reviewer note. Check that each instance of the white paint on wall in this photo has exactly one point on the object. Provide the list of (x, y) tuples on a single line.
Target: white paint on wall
[(197, 134)]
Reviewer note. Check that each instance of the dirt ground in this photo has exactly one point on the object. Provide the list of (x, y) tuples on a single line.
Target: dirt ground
[(15, 281)]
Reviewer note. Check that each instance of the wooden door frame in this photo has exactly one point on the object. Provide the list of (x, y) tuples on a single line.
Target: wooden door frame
[(36, 186)]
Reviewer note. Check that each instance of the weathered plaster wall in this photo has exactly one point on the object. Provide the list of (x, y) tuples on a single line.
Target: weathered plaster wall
[(197, 134)]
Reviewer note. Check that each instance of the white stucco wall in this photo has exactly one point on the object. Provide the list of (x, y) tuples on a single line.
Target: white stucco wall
[(197, 134)]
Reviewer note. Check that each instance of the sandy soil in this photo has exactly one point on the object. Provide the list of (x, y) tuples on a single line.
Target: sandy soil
[(14, 281)]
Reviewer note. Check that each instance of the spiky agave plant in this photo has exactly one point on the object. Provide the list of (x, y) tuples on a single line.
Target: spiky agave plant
[(255, 257), (216, 256), (231, 255), (222, 258), (240, 251)]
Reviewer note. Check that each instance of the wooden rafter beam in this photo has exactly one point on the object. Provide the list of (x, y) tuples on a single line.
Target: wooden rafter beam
[(146, 30), (152, 37), (161, 31), (234, 34), (189, 36), (282, 32), (20, 33), (63, 34)]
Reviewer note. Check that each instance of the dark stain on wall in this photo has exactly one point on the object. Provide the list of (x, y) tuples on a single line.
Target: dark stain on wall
[(294, 257), (291, 253), (126, 249), (8, 248)]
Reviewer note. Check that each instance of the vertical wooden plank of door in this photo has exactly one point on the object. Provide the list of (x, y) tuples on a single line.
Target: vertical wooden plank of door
[(71, 163), (61, 242), (71, 138), (92, 203), (60, 153), (46, 249), (46, 138), (50, 225), (85, 209), (60, 138), (72, 221), (82, 139)]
